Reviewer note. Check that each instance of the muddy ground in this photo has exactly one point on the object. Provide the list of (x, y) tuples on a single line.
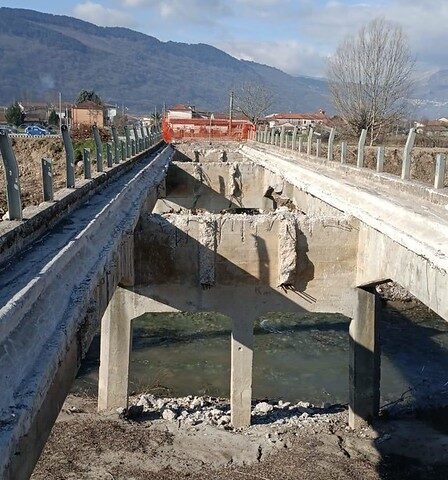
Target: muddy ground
[(86, 445)]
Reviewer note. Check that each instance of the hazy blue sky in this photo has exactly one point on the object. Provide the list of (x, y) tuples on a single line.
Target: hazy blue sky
[(294, 35)]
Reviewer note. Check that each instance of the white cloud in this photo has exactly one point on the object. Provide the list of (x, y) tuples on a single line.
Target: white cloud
[(103, 16), (290, 56)]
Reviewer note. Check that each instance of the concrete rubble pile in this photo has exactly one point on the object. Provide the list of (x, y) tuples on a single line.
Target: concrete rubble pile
[(193, 410)]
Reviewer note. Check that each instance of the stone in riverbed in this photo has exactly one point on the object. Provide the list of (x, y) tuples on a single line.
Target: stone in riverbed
[(263, 407), (169, 415)]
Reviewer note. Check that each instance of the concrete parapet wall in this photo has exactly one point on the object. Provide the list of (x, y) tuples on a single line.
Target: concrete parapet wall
[(52, 303), (17, 235)]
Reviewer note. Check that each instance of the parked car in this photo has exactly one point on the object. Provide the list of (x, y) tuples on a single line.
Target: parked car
[(35, 130), (8, 129)]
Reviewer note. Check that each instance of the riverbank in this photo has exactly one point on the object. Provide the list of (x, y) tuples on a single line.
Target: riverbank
[(309, 443)]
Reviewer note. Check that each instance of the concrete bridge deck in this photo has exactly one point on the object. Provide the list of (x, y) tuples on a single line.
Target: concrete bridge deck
[(55, 291)]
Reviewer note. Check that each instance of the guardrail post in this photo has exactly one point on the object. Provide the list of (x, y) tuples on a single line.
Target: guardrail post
[(12, 178), (69, 157), (142, 132), (47, 179), (310, 141), (110, 162), (380, 159), (343, 152), (330, 145), (272, 136), (318, 141), (406, 168), (133, 147), (294, 138), (116, 144), (123, 150), (136, 139), (87, 164), (439, 181), (282, 136), (148, 135), (361, 145), (265, 134), (128, 141), (99, 148), (300, 144)]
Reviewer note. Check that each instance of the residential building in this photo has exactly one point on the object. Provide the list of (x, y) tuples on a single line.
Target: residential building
[(88, 113)]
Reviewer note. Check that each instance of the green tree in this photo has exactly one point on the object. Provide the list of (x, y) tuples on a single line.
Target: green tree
[(14, 114), (53, 118), (88, 96)]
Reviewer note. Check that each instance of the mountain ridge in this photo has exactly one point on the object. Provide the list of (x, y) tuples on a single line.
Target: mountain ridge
[(50, 53)]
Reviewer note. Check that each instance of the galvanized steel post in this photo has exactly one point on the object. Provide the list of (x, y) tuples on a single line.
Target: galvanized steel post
[(318, 142), (123, 150), (343, 152), (99, 149), (133, 147), (47, 179), (128, 141), (87, 164), (361, 146), (406, 168), (110, 162), (439, 180), (330, 145), (310, 141), (380, 159), (12, 178), (116, 144), (294, 138), (69, 156), (282, 136)]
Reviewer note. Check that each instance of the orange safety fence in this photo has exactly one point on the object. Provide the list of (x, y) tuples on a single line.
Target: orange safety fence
[(215, 129)]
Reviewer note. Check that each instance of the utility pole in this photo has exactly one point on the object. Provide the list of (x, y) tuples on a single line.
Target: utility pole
[(231, 113)]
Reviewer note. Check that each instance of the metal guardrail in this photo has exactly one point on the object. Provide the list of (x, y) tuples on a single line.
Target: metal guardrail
[(116, 153), (272, 136)]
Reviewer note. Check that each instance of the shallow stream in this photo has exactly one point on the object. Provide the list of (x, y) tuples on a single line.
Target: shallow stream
[(296, 357)]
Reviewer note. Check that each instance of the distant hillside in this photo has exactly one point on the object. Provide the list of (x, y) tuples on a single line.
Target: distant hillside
[(42, 54)]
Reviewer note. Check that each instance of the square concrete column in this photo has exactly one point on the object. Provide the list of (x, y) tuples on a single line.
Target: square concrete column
[(241, 371), (364, 372), (115, 351)]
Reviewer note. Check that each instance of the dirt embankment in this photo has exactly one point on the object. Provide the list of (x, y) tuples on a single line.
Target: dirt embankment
[(423, 164), (29, 153)]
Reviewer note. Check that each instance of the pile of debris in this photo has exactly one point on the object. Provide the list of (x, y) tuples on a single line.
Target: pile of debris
[(193, 410)]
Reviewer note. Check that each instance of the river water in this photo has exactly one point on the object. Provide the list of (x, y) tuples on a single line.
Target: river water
[(296, 357)]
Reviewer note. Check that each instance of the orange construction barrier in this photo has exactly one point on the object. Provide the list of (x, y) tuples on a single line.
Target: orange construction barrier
[(214, 129)]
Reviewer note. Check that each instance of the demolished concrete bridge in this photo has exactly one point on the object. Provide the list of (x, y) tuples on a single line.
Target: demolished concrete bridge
[(238, 229)]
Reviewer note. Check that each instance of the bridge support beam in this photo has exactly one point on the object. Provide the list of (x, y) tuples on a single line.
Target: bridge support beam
[(241, 371), (364, 355), (115, 351)]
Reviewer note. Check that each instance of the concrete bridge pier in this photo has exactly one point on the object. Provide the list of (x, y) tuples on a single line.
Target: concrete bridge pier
[(364, 358), (115, 352), (241, 371)]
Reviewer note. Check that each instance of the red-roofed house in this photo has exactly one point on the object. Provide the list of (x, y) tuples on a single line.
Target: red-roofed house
[(181, 111), (300, 119)]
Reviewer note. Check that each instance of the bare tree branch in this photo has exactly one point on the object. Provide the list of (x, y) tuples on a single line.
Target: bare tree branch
[(370, 77), (254, 101)]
